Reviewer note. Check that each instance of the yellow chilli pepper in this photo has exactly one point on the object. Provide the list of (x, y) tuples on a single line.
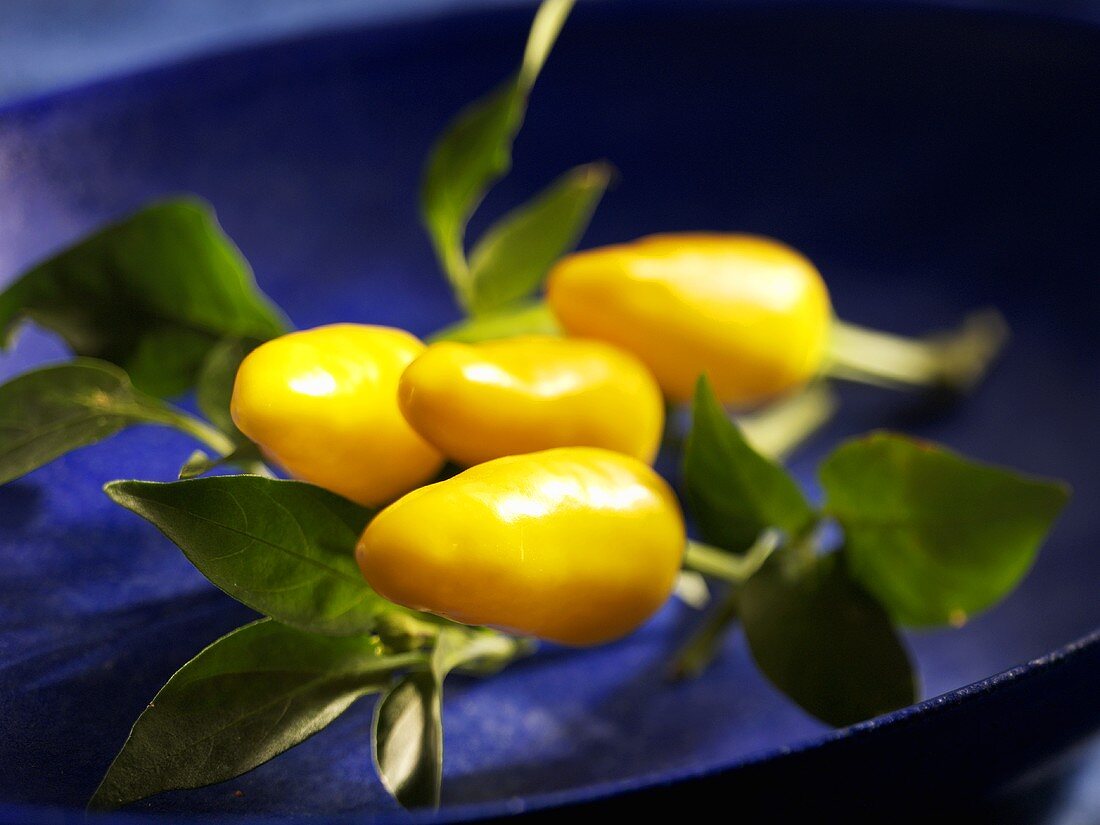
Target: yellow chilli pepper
[(750, 312), (577, 545), (322, 403), (476, 402)]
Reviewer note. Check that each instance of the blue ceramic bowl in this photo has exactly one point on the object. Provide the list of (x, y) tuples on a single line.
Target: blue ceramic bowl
[(930, 161)]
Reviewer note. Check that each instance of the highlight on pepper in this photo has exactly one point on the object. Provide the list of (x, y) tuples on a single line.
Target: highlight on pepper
[(577, 545), (749, 312), (322, 404), (476, 402)]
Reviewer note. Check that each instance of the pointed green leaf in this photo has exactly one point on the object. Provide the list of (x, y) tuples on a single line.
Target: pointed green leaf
[(245, 456), (408, 720), (475, 150), (197, 464), (243, 700), (511, 259), (934, 536), (477, 651), (407, 738), (284, 548), (51, 411), (151, 293), (545, 29), (734, 492), (824, 642)]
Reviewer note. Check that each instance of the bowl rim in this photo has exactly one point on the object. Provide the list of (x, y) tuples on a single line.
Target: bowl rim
[(398, 23)]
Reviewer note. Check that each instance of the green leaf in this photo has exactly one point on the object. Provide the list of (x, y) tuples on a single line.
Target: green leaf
[(734, 492), (824, 642), (407, 738), (214, 388), (511, 259), (475, 150), (246, 456), (521, 319), (408, 720), (284, 548), (935, 537), (197, 464), (51, 411), (151, 293), (243, 700), (477, 651)]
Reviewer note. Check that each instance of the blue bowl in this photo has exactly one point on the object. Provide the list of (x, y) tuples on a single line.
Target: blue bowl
[(930, 161)]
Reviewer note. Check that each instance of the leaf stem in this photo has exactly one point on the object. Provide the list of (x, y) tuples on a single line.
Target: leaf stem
[(209, 435), (691, 588), (779, 429), (720, 564), (407, 660), (408, 629), (955, 360), (699, 650), (490, 650), (804, 548), (200, 430)]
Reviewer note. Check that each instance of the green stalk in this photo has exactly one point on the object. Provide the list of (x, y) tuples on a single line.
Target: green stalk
[(699, 650), (208, 435), (198, 429), (719, 564), (955, 360), (779, 429), (409, 630), (701, 647)]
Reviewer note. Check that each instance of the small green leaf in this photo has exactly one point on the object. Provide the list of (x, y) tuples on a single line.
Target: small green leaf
[(935, 537), (245, 456), (511, 259), (214, 387), (151, 293), (51, 411), (197, 464), (734, 492), (407, 740), (475, 150), (545, 28), (284, 548), (478, 651), (243, 700), (408, 720), (824, 642), (521, 319)]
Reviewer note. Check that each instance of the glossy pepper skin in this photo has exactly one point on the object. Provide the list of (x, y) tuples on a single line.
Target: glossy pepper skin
[(576, 545), (477, 402), (322, 403), (750, 312)]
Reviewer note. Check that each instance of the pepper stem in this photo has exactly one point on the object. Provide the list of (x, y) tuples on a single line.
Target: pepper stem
[(699, 650), (199, 430), (696, 654), (781, 427), (735, 569), (210, 436), (954, 360)]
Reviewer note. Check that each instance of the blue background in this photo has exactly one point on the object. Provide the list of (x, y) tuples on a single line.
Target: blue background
[(46, 44)]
